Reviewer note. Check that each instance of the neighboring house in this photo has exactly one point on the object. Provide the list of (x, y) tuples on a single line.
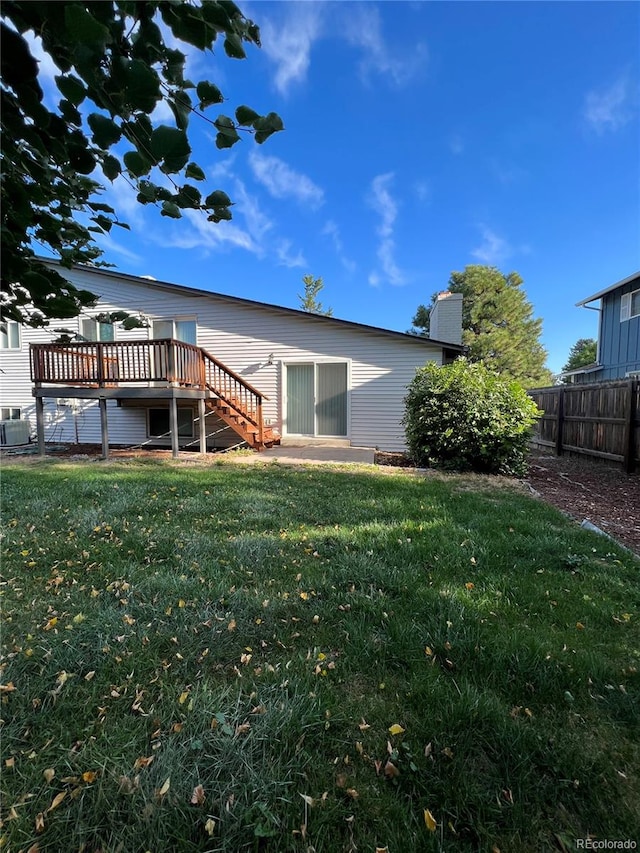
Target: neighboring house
[(618, 333), (209, 371)]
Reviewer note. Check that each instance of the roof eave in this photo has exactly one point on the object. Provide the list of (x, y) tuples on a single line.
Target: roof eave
[(601, 293)]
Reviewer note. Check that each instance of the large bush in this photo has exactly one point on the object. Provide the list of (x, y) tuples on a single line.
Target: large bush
[(465, 418)]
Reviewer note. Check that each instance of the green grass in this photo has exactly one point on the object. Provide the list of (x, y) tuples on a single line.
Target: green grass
[(256, 631)]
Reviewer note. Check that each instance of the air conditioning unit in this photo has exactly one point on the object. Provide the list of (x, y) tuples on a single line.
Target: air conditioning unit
[(14, 432)]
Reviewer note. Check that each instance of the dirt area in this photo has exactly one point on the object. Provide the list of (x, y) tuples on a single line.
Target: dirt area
[(582, 488)]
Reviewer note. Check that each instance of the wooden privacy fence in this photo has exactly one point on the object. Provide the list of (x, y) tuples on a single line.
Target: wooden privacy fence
[(596, 420)]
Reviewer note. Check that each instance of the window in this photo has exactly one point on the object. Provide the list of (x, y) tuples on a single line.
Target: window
[(92, 330), (159, 423), (9, 334), (184, 330), (630, 305), (11, 413)]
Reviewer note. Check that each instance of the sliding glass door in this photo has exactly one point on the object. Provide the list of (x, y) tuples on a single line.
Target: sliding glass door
[(316, 399)]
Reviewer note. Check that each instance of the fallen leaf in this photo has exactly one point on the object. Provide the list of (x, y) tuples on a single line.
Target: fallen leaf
[(7, 688), (57, 800), (469, 586), (90, 675), (351, 792), (232, 625), (141, 762), (48, 774), (89, 776), (183, 697), (210, 827), (9, 763), (390, 770), (430, 821), (363, 726), (39, 822), (198, 796), (308, 800), (448, 752), (395, 729), (579, 626), (162, 791)]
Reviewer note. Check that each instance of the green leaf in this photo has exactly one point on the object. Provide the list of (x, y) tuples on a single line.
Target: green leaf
[(267, 125), (105, 131), (181, 107), (111, 167), (170, 209), (188, 196), (168, 142), (233, 46), (72, 88), (208, 94), (83, 28), (194, 172), (136, 164), (246, 116), (142, 86), (217, 199)]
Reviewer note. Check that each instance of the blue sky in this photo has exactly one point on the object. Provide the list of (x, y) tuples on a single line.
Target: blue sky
[(420, 137)]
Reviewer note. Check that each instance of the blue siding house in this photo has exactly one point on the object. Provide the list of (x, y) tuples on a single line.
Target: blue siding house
[(618, 333)]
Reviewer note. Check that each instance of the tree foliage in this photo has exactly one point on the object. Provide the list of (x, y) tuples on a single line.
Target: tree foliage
[(583, 352), (498, 326), (462, 416), (309, 300), (115, 69)]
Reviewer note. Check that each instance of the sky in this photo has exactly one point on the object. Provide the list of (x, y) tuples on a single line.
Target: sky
[(420, 137)]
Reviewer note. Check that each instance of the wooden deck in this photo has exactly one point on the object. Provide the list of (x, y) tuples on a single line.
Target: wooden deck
[(149, 370)]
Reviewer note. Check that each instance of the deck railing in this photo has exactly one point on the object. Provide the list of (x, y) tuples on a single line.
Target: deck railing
[(110, 363)]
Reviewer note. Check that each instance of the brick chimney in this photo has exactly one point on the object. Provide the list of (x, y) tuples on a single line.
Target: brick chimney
[(445, 319)]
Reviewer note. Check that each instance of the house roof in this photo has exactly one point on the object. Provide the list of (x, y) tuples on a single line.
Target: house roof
[(600, 293), (165, 285)]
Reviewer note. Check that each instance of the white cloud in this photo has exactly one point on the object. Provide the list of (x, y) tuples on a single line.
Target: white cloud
[(382, 202), (332, 231), (288, 41), (610, 108), (106, 242), (494, 249), (282, 181), (286, 258), (364, 30)]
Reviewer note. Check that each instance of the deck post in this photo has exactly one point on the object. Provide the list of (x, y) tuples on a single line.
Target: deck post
[(173, 422), (40, 424), (203, 426), (104, 427)]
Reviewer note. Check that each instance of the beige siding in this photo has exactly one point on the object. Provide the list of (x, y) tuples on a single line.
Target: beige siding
[(242, 336)]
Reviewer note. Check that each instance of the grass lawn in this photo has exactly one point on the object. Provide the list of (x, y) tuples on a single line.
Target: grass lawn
[(262, 658)]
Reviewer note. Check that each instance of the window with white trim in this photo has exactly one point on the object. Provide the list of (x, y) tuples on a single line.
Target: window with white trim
[(92, 330), (10, 413), (159, 423), (9, 334), (180, 329), (629, 305)]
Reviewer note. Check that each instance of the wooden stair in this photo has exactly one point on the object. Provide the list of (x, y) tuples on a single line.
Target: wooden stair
[(237, 403), (234, 417)]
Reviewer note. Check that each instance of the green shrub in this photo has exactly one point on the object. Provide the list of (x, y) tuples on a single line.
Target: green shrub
[(465, 418)]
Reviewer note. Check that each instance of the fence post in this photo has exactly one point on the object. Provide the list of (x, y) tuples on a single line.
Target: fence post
[(100, 364), (560, 421), (629, 460)]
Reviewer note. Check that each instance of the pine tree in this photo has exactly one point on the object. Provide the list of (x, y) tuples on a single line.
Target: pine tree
[(309, 301), (498, 326)]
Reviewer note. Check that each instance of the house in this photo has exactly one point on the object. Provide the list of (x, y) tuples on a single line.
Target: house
[(210, 371), (618, 354)]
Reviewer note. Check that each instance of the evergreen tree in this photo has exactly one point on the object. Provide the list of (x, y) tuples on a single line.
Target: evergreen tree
[(498, 326), (583, 352), (309, 300)]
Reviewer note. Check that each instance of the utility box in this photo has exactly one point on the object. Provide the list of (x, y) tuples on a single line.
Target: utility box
[(14, 432)]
